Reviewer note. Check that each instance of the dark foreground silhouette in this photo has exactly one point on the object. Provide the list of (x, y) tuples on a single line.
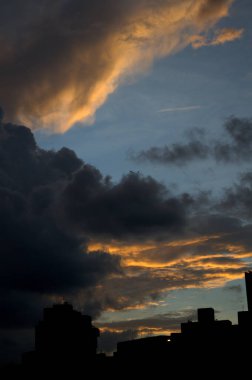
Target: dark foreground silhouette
[(66, 343)]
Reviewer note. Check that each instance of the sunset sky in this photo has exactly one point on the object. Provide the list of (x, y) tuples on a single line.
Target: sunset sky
[(129, 190)]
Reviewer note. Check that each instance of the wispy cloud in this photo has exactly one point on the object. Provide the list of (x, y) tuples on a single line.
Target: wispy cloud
[(234, 147), (179, 109), (220, 37)]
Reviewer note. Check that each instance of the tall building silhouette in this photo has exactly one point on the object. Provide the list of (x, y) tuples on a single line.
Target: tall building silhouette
[(64, 336), (248, 281)]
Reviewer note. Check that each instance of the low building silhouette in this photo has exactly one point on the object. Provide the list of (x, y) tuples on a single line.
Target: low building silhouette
[(149, 347), (206, 339), (199, 337)]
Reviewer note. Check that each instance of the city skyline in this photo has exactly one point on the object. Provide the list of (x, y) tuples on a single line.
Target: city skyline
[(67, 340)]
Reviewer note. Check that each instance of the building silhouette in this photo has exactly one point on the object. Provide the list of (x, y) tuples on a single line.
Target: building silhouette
[(66, 339), (245, 317), (207, 340), (63, 336), (248, 281)]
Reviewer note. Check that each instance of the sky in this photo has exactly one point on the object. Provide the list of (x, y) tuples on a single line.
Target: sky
[(125, 163)]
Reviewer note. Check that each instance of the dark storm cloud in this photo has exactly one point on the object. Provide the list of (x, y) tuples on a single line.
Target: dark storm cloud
[(234, 146), (38, 256), (51, 203), (213, 222), (20, 309), (59, 60), (136, 206)]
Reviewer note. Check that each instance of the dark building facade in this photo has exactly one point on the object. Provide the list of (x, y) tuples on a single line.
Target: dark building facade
[(146, 347), (64, 336), (248, 281)]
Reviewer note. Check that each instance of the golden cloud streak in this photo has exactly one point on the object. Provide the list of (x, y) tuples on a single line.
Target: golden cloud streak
[(125, 249), (220, 279), (141, 330), (205, 261), (77, 77), (138, 306)]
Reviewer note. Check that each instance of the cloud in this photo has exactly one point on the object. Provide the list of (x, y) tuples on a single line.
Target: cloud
[(135, 207), (180, 109), (38, 255), (151, 273), (240, 149), (233, 288), (51, 205), (158, 324), (178, 154), (67, 231), (235, 146), (167, 321), (215, 248), (238, 198), (220, 37), (59, 62)]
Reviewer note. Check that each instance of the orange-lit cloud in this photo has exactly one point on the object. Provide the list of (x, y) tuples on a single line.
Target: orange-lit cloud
[(141, 330), (65, 60), (156, 324), (153, 268), (221, 37), (122, 248)]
